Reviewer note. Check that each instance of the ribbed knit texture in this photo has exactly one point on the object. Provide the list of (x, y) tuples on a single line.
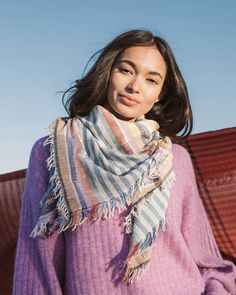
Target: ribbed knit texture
[(185, 260)]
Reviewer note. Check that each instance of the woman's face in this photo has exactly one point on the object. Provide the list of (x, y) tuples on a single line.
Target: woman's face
[(135, 82)]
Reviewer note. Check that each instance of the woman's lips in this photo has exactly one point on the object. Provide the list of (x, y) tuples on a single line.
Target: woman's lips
[(128, 100)]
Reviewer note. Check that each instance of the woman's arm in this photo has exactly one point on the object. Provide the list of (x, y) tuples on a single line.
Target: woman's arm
[(39, 263), (219, 275)]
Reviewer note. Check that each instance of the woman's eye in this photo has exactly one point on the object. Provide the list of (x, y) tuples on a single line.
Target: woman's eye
[(152, 81), (125, 70)]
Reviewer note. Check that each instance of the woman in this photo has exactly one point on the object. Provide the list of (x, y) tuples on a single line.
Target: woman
[(116, 209)]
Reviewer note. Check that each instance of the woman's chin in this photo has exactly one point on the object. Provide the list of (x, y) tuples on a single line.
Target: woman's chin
[(122, 113), (123, 116)]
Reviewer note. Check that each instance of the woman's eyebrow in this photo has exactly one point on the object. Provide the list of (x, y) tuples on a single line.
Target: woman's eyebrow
[(134, 66)]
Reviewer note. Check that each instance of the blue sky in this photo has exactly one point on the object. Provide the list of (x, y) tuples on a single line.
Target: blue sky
[(45, 46)]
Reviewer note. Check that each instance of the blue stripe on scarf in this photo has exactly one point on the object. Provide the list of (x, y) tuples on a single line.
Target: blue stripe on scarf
[(84, 202)]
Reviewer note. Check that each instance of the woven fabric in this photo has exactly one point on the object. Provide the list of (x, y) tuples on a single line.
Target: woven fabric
[(98, 164)]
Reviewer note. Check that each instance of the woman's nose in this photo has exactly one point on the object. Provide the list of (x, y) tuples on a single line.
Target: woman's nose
[(133, 85)]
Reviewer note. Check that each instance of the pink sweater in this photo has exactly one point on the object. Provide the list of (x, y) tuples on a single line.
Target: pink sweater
[(185, 260)]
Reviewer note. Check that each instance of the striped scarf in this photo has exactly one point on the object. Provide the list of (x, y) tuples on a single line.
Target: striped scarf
[(98, 164)]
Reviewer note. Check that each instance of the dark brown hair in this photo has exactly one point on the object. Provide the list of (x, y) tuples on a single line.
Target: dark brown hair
[(172, 111)]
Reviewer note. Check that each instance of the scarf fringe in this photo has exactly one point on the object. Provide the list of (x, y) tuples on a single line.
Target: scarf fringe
[(105, 210), (39, 229), (135, 274), (54, 180)]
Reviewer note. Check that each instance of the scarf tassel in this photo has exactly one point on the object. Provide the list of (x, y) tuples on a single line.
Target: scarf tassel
[(135, 274), (65, 218)]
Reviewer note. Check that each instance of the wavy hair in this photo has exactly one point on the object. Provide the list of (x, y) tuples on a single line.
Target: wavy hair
[(172, 111)]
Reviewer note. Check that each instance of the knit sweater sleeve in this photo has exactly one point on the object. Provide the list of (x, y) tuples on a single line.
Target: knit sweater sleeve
[(39, 262), (219, 275)]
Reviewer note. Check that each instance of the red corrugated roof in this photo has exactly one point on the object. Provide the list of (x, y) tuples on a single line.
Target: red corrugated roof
[(214, 159)]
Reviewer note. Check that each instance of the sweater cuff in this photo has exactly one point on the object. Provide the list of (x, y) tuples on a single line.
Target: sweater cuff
[(214, 287)]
